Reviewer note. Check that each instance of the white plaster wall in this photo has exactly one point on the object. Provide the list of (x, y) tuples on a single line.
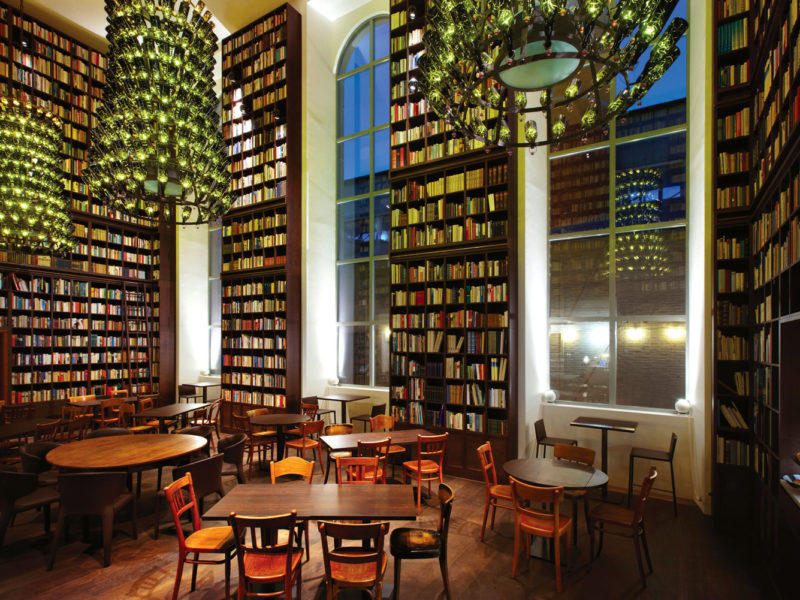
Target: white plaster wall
[(192, 303)]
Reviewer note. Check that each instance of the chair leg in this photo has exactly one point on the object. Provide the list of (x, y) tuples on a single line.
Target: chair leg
[(674, 495), (646, 550), (396, 578), (308, 545), (134, 527), (158, 483), (639, 558), (250, 460), (178, 576), (327, 470), (194, 571), (557, 557), (319, 455), (108, 532), (517, 533), (46, 512), (445, 578), (630, 480), (228, 575), (485, 516), (54, 545), (419, 495)]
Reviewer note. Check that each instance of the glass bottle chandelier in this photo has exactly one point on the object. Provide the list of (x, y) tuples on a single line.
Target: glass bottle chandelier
[(638, 203), (157, 150), (483, 58)]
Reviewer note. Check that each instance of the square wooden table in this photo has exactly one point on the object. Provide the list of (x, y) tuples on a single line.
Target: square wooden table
[(204, 385), (400, 437), (344, 399), (173, 411), (605, 425), (318, 501)]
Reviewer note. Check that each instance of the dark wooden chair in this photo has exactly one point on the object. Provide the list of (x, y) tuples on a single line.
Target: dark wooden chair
[(82, 398), (617, 520), (357, 470), (118, 393), (377, 409), (232, 448), (496, 493), (208, 416), (428, 464), (583, 456), (108, 413), (386, 423), (203, 431), (309, 441), (264, 559), (33, 460), (93, 494), (543, 440), (298, 467), (16, 412), (187, 392), (257, 441), (310, 411), (530, 521), (409, 543), (209, 540), (107, 432), (321, 412), (360, 566), (380, 450), (659, 455), (20, 492), (47, 432), (131, 423), (9, 447), (340, 429), (147, 403)]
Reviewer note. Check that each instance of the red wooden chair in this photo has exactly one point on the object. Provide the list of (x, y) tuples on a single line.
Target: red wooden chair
[(428, 464), (495, 494)]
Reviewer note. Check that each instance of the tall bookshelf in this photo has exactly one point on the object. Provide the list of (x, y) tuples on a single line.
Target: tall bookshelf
[(757, 228), (261, 243), (90, 318), (453, 270)]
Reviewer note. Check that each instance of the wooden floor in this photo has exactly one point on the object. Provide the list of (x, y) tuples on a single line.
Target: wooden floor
[(689, 561)]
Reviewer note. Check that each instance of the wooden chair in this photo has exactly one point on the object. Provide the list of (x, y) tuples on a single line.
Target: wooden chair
[(257, 441), (530, 521), (428, 464), (410, 543), (203, 431), (359, 469), (20, 492), (543, 440), (294, 466), (83, 398), (107, 432), (386, 423), (342, 429), (584, 456), (187, 392), (377, 409), (321, 412), (380, 450), (128, 420), (310, 411), (309, 441), (33, 459), (266, 560), (47, 432), (616, 520), (660, 455), (209, 540), (9, 447), (354, 567), (118, 393), (495, 494), (147, 403), (232, 448), (93, 494), (208, 416), (76, 429), (108, 413)]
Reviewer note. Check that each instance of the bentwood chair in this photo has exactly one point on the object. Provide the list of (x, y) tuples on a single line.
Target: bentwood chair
[(47, 432), (265, 559), (232, 449), (496, 493), (20, 492), (343, 429), (428, 464), (130, 422), (360, 566), (543, 440), (357, 470), (530, 521), (309, 441), (118, 393), (321, 412), (108, 415), (380, 450), (146, 403), (310, 411), (377, 409), (583, 456), (409, 543), (660, 455), (294, 465), (209, 417), (33, 458), (188, 392), (209, 540), (386, 423), (616, 520), (257, 441)]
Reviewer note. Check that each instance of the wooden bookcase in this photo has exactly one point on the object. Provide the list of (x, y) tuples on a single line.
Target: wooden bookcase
[(453, 271), (92, 317), (261, 235)]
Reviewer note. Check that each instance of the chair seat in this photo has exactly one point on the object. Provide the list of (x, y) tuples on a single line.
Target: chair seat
[(361, 418), (40, 497), (406, 542), (552, 441), (264, 434), (268, 567), (302, 443), (616, 515), (157, 423), (198, 422), (428, 466), (501, 491), (648, 454), (340, 454), (210, 539), (395, 449), (229, 469), (356, 574), (544, 526), (49, 477), (141, 429)]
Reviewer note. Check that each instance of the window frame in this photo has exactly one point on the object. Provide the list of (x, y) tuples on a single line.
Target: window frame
[(213, 369)]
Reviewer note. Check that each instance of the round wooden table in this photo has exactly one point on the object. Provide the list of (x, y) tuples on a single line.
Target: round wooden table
[(554, 472), (279, 421), (123, 451)]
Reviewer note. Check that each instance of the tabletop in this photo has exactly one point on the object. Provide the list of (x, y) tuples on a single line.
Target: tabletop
[(202, 384), (318, 501), (20, 428), (343, 397), (555, 472), (172, 410), (99, 401), (124, 451), (400, 437), (608, 424), (279, 419)]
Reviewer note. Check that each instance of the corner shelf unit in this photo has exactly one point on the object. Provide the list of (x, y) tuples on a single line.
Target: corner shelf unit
[(453, 272), (261, 234)]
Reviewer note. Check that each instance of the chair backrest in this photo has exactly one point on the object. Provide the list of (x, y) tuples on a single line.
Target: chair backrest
[(46, 432), (146, 403), (69, 412), (381, 423), (107, 432), (264, 544), (527, 497), (578, 454), (90, 493), (13, 486), (487, 464), (378, 409), (254, 412), (241, 423), (293, 465), (378, 448), (446, 495), (359, 469), (16, 412), (213, 411), (126, 412), (672, 443), (206, 475), (76, 428), (312, 428), (182, 499), (186, 389), (33, 455), (203, 431), (107, 408), (309, 400), (232, 448), (644, 492), (365, 558), (339, 429), (539, 430), (119, 393), (309, 410), (431, 447), (82, 398)]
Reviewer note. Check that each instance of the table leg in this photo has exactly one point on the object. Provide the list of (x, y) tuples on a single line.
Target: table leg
[(281, 442), (344, 412), (604, 460)]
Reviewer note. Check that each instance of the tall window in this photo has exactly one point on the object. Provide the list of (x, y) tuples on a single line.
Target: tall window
[(214, 298), (618, 254), (362, 147)]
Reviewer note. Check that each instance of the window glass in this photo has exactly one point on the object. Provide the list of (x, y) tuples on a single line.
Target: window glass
[(579, 361), (579, 278), (381, 226), (381, 158), (354, 354), (354, 166), (381, 49), (380, 80), (354, 94), (357, 53), (353, 286), (353, 228), (579, 192)]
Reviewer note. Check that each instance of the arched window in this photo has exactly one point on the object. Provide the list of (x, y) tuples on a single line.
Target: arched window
[(362, 211)]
